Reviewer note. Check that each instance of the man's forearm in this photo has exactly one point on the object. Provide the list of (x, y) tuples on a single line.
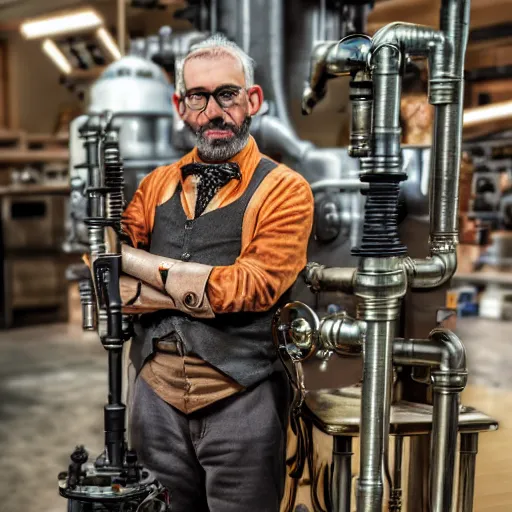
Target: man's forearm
[(185, 283)]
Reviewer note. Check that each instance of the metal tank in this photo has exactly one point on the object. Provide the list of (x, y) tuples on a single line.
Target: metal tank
[(139, 95)]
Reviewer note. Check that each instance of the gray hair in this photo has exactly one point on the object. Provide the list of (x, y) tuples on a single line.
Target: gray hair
[(216, 44)]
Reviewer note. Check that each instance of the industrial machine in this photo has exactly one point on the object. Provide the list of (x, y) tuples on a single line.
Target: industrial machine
[(372, 215), (115, 481)]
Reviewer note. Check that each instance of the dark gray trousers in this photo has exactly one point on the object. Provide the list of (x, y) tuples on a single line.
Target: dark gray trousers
[(227, 457)]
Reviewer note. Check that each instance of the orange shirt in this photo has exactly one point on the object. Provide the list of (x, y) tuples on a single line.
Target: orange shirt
[(275, 233)]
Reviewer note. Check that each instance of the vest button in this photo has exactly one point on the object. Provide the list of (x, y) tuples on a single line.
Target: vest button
[(188, 224), (185, 256)]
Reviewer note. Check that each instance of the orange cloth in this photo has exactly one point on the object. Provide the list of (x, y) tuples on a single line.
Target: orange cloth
[(275, 233)]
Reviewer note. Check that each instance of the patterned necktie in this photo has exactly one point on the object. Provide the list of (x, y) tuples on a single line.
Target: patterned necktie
[(212, 177)]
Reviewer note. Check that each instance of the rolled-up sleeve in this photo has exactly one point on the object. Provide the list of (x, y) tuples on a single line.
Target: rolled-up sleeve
[(277, 251)]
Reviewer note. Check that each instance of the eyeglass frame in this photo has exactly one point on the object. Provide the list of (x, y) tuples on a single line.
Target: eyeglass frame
[(207, 95)]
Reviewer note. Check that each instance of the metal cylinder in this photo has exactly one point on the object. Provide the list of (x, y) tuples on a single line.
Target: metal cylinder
[(468, 453), (341, 486), (454, 23), (341, 334), (447, 387), (361, 98), (375, 404), (385, 153)]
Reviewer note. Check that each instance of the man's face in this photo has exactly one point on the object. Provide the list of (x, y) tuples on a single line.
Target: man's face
[(217, 107)]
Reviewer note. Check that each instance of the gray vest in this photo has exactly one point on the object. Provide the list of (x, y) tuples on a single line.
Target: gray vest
[(239, 344)]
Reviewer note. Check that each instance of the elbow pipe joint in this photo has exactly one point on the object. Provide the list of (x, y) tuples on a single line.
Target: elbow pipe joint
[(443, 351), (319, 278), (451, 350), (424, 41), (331, 59), (431, 272)]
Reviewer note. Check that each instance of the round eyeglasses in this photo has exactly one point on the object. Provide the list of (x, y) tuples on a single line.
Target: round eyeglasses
[(225, 96)]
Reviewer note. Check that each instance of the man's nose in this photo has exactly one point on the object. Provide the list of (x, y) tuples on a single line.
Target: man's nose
[(213, 109)]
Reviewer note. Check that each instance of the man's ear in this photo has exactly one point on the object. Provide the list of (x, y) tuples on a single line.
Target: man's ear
[(255, 94), (179, 104)]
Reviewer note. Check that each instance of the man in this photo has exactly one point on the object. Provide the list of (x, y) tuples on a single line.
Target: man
[(216, 242)]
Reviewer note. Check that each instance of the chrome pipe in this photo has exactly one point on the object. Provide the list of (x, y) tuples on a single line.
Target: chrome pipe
[(445, 353), (341, 477), (447, 94), (330, 59), (342, 334), (361, 100), (276, 48), (321, 278), (274, 136), (379, 285), (467, 463), (447, 388), (375, 402), (431, 272)]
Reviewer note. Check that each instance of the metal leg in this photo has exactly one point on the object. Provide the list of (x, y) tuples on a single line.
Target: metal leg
[(341, 476), (419, 467), (395, 499), (468, 452)]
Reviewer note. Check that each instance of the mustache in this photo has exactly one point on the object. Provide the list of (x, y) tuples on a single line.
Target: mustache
[(217, 124)]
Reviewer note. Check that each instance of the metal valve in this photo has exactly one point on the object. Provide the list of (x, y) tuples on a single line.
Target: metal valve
[(299, 332), (295, 329)]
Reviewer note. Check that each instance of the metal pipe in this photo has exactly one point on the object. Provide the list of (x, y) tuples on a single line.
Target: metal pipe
[(330, 59), (389, 46), (276, 48), (445, 352), (214, 13), (342, 334), (446, 90), (447, 388), (274, 136), (341, 487), (361, 100), (431, 272), (374, 414), (468, 453), (319, 278), (446, 93)]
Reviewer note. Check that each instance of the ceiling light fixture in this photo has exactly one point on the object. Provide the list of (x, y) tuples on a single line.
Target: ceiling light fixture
[(487, 113), (52, 50), (62, 24), (108, 42)]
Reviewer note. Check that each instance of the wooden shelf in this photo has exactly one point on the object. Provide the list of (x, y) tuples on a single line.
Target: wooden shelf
[(85, 75), (27, 156), (32, 190)]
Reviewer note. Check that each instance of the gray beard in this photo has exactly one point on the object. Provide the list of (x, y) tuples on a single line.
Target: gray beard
[(221, 150)]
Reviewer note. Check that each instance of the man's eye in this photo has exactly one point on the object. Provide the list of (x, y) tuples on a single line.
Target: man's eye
[(227, 95), (195, 97)]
